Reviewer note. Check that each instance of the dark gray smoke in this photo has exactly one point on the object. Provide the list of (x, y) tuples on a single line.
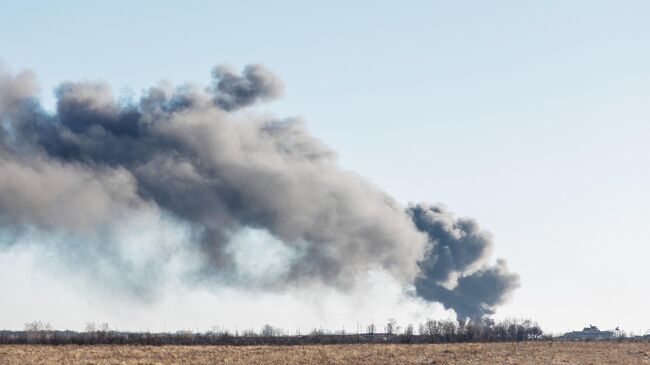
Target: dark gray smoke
[(232, 91), (184, 151), (475, 295), (454, 271)]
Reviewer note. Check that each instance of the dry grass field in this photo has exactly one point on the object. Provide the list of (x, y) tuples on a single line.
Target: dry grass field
[(490, 353)]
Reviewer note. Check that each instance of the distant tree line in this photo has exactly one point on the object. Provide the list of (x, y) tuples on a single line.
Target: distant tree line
[(431, 331)]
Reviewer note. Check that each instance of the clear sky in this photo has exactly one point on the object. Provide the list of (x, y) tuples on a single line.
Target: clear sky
[(531, 117)]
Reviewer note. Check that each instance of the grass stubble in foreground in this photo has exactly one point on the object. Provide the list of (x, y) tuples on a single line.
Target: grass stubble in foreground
[(468, 353)]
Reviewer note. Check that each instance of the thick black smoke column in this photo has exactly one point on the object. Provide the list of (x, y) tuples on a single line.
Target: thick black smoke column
[(455, 271)]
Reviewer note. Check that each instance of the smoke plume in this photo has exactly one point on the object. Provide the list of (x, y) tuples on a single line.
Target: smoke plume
[(184, 151), (454, 270)]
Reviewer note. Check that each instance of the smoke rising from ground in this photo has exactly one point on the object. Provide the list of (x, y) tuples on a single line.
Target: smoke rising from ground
[(184, 152), (454, 271)]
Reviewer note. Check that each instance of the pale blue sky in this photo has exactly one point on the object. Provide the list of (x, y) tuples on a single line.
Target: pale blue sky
[(532, 117)]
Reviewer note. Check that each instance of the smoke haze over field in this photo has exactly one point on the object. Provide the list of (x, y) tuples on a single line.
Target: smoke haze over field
[(258, 202)]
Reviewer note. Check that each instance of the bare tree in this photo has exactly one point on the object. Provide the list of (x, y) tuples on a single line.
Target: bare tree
[(371, 328), (249, 333), (409, 330), (430, 328), (270, 331), (37, 326), (391, 327)]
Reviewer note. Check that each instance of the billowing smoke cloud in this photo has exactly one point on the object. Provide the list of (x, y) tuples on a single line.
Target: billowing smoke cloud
[(454, 270), (232, 91), (185, 152)]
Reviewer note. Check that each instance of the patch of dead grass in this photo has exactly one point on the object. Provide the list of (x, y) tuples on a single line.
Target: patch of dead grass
[(438, 354)]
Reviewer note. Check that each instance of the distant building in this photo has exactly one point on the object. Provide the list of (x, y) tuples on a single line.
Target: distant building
[(588, 333)]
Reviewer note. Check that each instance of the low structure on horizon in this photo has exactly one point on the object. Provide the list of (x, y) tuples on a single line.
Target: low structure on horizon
[(588, 333)]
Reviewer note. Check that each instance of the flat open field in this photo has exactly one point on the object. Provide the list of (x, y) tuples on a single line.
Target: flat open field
[(491, 353)]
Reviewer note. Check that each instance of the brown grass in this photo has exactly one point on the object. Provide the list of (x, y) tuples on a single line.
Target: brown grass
[(489, 353)]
